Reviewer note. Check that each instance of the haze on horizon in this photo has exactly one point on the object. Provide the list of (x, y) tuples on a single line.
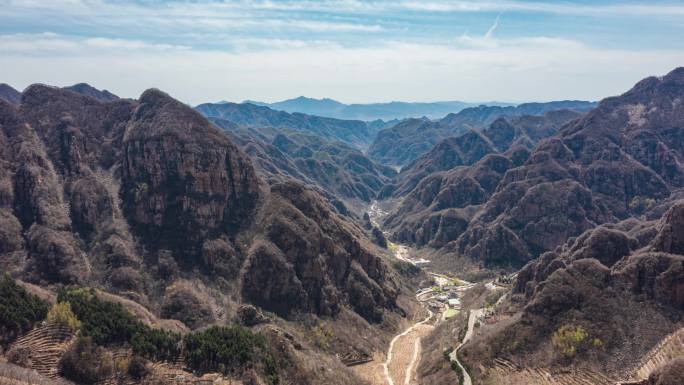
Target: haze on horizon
[(350, 51)]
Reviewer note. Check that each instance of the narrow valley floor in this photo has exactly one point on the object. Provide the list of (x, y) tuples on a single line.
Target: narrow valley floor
[(399, 364)]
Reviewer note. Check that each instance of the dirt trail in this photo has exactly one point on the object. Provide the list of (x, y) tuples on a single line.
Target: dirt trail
[(403, 354), (474, 314), (400, 364), (373, 371)]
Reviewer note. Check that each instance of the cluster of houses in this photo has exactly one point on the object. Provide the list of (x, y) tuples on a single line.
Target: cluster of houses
[(448, 297)]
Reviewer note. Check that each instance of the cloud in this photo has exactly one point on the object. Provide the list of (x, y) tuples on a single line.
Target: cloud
[(595, 8), (240, 7), (352, 50), (535, 68), (485, 41), (491, 29), (52, 44)]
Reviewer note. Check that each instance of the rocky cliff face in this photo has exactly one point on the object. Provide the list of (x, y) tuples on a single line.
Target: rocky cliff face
[(308, 260), (502, 135), (622, 284), (183, 182), (615, 162), (145, 198)]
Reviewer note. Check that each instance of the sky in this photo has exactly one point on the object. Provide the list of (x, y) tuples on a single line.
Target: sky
[(349, 50)]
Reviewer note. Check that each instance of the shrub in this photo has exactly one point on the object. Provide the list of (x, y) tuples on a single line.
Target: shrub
[(322, 336), (156, 344), (640, 204), (105, 322), (447, 352), (596, 342), (493, 297), (404, 268), (270, 369), (19, 356), (61, 314), (464, 330), (227, 349), (137, 368), (122, 365), (108, 323), (19, 310), (85, 362), (568, 339), (185, 304), (458, 370)]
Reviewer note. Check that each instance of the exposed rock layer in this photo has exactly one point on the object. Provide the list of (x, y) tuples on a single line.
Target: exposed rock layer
[(620, 160), (149, 200)]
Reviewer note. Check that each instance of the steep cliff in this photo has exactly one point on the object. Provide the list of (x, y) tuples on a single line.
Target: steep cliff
[(617, 161)]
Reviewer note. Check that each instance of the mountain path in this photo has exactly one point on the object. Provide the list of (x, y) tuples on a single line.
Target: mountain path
[(453, 356), (403, 353)]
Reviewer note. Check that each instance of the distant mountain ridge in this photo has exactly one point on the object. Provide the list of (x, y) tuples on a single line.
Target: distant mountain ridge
[(344, 172), (502, 135), (404, 142), (371, 111), (354, 132), (13, 96)]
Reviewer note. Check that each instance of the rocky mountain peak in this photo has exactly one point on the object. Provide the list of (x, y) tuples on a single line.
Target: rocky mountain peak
[(9, 94), (90, 91), (38, 93), (183, 181)]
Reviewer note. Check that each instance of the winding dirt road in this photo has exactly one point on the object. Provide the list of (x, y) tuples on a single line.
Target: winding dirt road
[(403, 353), (474, 314)]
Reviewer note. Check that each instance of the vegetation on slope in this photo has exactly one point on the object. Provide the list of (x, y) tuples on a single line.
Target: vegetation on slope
[(61, 313), (19, 310), (225, 349), (85, 362), (108, 323)]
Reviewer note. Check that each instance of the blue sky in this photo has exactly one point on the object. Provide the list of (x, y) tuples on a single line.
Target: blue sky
[(353, 51)]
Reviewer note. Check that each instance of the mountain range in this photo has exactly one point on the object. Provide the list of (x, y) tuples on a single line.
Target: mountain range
[(593, 215), (371, 111), (147, 241), (354, 132), (403, 142), (149, 202), (511, 206)]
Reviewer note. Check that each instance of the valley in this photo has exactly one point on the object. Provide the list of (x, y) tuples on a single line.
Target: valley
[(539, 244), (440, 301), (356, 192)]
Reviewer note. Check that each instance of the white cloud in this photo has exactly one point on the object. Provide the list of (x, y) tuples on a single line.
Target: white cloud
[(635, 9), (565, 8), (324, 48), (48, 43), (491, 29), (242, 8), (540, 68), (202, 15), (486, 41)]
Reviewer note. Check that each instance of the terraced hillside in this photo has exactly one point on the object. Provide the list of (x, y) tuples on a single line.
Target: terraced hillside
[(41, 348)]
